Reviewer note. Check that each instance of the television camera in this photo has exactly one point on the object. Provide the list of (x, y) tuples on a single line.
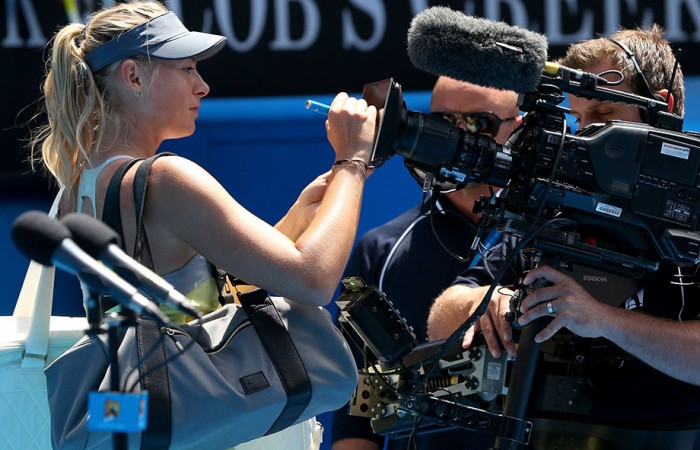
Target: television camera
[(404, 380), (623, 197)]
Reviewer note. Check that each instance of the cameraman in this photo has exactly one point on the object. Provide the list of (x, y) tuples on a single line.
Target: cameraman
[(642, 355), (434, 234)]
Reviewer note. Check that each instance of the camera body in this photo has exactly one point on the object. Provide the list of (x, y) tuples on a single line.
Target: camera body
[(623, 194)]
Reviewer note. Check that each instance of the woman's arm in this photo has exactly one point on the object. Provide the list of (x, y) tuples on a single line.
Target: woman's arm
[(302, 212), (190, 209)]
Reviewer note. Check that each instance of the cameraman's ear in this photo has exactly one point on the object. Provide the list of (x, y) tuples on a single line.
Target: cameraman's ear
[(667, 97)]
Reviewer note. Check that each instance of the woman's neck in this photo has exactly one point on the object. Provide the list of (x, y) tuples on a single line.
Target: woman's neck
[(136, 144)]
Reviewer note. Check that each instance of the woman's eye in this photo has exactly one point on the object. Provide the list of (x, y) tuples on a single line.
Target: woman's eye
[(188, 69)]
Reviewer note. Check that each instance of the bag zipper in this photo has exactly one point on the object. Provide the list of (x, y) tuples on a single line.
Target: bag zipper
[(172, 332)]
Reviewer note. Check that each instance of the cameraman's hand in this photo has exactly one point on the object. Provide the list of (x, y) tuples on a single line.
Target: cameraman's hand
[(573, 307), (458, 302)]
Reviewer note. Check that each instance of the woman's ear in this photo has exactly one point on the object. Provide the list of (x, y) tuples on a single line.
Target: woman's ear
[(668, 97), (131, 74)]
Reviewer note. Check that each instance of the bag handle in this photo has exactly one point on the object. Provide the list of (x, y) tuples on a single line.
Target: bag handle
[(111, 215), (34, 304), (279, 346), (154, 369)]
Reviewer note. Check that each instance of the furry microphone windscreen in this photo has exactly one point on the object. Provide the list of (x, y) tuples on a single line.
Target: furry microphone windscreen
[(492, 54)]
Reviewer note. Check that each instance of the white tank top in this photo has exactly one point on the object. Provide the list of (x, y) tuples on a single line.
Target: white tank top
[(88, 182)]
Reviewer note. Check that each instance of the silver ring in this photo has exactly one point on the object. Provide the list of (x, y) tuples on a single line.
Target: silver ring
[(550, 309)]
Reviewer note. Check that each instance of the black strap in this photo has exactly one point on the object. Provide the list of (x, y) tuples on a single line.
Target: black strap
[(142, 251), (111, 213), (153, 370), (112, 216), (279, 346)]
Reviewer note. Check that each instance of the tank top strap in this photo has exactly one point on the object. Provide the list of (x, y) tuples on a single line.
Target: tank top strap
[(88, 181)]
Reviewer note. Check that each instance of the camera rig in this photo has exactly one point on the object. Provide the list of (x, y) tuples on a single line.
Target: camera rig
[(622, 197), (403, 381)]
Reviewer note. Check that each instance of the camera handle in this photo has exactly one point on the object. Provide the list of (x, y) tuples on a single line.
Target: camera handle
[(523, 373), (522, 377)]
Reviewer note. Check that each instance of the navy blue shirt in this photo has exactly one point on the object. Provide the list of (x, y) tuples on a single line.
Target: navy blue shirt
[(410, 260)]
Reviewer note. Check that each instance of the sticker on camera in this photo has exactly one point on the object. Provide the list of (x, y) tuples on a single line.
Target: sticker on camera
[(675, 150), (610, 210)]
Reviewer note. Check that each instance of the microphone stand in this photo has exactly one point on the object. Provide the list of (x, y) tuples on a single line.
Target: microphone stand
[(123, 320)]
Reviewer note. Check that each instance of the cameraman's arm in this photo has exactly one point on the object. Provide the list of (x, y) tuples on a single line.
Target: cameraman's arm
[(669, 346), (457, 303), (353, 432), (454, 306)]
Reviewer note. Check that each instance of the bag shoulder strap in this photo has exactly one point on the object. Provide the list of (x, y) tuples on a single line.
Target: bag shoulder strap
[(153, 367), (142, 251), (111, 214)]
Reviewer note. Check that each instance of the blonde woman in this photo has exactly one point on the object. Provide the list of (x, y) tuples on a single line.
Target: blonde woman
[(118, 86)]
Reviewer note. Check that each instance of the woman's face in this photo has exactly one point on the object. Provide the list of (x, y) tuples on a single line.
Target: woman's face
[(171, 98)]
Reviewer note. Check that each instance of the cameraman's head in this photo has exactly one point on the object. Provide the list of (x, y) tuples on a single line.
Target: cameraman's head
[(478, 109), (627, 51)]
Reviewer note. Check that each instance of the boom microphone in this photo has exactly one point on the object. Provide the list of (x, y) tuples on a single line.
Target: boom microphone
[(48, 242), (492, 54), (100, 242)]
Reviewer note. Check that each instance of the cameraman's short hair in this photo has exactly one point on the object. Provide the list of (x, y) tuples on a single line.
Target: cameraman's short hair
[(653, 53)]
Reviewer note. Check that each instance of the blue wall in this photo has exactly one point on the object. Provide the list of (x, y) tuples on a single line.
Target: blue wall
[(264, 151)]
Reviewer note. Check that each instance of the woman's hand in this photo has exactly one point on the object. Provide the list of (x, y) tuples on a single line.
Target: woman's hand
[(305, 208), (351, 127), (310, 198)]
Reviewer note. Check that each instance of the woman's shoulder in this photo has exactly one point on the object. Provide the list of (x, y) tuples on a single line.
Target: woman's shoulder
[(182, 184), (171, 170)]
